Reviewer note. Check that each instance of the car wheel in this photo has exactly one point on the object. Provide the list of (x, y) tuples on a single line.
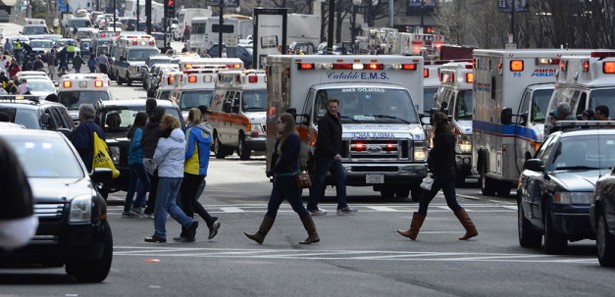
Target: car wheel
[(528, 237), (118, 79), (242, 149), (555, 243), (503, 188), (416, 192), (218, 148), (94, 271), (387, 193), (402, 192), (605, 243), (487, 186)]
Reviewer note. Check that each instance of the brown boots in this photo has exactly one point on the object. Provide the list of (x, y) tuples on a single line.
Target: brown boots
[(262, 231), (465, 220), (307, 221), (417, 222)]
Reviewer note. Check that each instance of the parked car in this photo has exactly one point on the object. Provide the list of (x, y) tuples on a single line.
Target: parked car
[(557, 185), (73, 230), (602, 218)]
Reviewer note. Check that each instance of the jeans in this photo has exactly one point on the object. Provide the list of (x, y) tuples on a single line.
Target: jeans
[(285, 188), (153, 192), (168, 188), (447, 184), (139, 182), (190, 205), (324, 165)]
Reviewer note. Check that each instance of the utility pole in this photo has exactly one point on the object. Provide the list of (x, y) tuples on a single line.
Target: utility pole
[(138, 15), (148, 16), (221, 6), (330, 28), (512, 21)]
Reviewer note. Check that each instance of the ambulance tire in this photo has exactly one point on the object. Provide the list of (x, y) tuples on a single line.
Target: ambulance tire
[(503, 189), (402, 192), (487, 185), (219, 150), (128, 81), (242, 149)]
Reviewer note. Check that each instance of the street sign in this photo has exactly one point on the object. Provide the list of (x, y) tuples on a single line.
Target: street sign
[(520, 5), (511, 46), (62, 5)]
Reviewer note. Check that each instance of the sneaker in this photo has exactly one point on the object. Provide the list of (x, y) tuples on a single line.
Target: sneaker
[(213, 231), (138, 211), (346, 211), (155, 238), (151, 216), (318, 212), (127, 214)]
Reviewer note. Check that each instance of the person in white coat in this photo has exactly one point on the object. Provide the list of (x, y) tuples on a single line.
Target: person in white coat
[(170, 156)]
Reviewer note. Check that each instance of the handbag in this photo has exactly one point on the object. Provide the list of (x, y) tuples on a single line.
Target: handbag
[(302, 180), (101, 157), (427, 182)]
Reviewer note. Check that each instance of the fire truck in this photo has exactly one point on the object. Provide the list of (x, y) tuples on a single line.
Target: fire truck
[(384, 141), (131, 53), (238, 106)]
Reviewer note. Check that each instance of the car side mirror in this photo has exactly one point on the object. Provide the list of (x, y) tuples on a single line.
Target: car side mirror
[(506, 116), (100, 175), (533, 165), (226, 107), (523, 118)]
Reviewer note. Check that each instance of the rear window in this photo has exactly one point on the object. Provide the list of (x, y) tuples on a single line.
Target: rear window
[(73, 99)]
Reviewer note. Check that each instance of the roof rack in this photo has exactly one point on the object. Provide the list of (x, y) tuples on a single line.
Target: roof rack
[(19, 98), (578, 125)]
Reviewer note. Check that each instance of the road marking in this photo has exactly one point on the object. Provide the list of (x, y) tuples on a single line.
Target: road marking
[(382, 208), (231, 209)]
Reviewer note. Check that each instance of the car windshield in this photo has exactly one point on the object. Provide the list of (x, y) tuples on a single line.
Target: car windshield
[(41, 43), (46, 157), (116, 121), (195, 98), (463, 108), (255, 100), (23, 116), (164, 94), (155, 61), (80, 23), (141, 54), (73, 99), (34, 30), (602, 97), (41, 86), (428, 95), (585, 152), (369, 105), (540, 101)]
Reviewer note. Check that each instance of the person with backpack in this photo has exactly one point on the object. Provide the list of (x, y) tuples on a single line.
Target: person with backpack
[(82, 138)]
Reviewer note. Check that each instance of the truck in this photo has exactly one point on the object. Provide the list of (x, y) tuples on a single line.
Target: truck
[(507, 80), (301, 29), (185, 16), (384, 141), (130, 10), (205, 31)]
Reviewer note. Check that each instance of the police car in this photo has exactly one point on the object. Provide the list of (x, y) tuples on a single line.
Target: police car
[(77, 89)]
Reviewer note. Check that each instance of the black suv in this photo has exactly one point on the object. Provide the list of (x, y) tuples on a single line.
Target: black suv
[(72, 217), (115, 118), (33, 113)]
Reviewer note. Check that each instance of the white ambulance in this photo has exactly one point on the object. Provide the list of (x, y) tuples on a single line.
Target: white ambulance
[(384, 141), (508, 81), (131, 53), (585, 83), (191, 63), (239, 106), (454, 98), (166, 84), (193, 88), (77, 89)]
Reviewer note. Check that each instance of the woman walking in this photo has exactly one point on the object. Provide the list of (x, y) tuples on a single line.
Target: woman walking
[(442, 165), (138, 176), (169, 157), (198, 137), (285, 165)]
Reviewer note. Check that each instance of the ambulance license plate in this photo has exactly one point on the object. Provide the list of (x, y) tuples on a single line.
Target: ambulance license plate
[(374, 179)]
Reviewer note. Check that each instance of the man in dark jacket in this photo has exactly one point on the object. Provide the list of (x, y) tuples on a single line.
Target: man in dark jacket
[(83, 137), (149, 142), (327, 157)]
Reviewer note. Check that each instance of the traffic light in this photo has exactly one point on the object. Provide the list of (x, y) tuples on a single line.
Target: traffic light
[(170, 8)]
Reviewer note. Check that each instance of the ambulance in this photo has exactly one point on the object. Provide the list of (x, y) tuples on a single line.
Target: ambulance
[(193, 88), (77, 89), (190, 63), (165, 86), (454, 98), (431, 83), (508, 81), (585, 83), (239, 107), (131, 53), (380, 98)]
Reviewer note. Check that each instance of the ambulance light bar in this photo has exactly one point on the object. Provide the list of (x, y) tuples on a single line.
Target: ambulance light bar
[(98, 83), (470, 77), (585, 66), (516, 65), (563, 65), (602, 55), (170, 80), (252, 79), (425, 73), (67, 84), (356, 66), (236, 66), (547, 61), (207, 78), (192, 79), (608, 67)]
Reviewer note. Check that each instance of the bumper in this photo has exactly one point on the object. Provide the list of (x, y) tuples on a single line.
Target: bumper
[(368, 174), (464, 163), (573, 221), (256, 143)]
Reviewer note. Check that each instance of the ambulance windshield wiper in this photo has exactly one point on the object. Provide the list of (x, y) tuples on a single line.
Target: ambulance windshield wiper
[(350, 118), (388, 117)]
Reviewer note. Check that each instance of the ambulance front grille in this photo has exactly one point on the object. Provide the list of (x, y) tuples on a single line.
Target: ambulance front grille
[(389, 149)]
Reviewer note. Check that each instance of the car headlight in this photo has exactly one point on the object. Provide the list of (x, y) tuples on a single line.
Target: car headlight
[(420, 151), (115, 154), (464, 142), (572, 197), (81, 210)]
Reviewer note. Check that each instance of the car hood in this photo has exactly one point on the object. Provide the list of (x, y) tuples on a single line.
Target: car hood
[(256, 117), (388, 130), (55, 190), (577, 180)]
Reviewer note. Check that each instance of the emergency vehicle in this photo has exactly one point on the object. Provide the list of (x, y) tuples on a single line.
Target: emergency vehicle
[(431, 83), (384, 142), (507, 81), (77, 89), (191, 63), (239, 106), (166, 84), (35, 28), (454, 98), (192, 88), (131, 53), (585, 83)]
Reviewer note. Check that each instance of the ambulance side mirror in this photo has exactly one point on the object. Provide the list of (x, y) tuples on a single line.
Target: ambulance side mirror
[(506, 116)]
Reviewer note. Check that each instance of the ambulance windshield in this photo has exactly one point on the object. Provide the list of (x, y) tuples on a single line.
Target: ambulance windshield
[(428, 96), (369, 105), (463, 108), (190, 99), (602, 97), (255, 100), (141, 55), (73, 99)]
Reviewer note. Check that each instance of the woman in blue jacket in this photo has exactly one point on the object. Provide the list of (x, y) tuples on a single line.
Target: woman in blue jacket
[(139, 181)]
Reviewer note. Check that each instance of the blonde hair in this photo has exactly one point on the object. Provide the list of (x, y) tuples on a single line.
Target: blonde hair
[(194, 116), (170, 121)]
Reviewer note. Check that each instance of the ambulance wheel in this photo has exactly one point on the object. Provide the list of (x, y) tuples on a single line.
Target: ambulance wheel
[(460, 180), (118, 79), (503, 189), (487, 185), (242, 149), (128, 81), (219, 150)]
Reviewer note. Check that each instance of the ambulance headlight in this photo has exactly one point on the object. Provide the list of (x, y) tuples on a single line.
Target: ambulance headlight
[(420, 151), (464, 142)]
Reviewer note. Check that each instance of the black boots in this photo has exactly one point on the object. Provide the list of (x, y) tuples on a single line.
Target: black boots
[(262, 231), (309, 226)]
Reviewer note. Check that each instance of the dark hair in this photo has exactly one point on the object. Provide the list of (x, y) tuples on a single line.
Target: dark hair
[(441, 124), (157, 114), (139, 122), (150, 104), (52, 97), (331, 100), (603, 109)]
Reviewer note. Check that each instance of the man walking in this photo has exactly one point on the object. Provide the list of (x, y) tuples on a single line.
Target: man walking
[(327, 158)]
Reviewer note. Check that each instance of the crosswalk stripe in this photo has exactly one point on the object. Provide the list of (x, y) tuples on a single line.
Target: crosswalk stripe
[(382, 208), (231, 209)]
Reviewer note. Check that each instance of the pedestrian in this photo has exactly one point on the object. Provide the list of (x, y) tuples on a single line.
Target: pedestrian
[(52, 62), (8, 46), (224, 52), (588, 115), (149, 141), (77, 62), (38, 64), (3, 80), (103, 62), (170, 157), (139, 182), (63, 55), (17, 220), (23, 88), (327, 158), (441, 163), (11, 88), (285, 165), (198, 138), (92, 63), (14, 68), (82, 138), (602, 113)]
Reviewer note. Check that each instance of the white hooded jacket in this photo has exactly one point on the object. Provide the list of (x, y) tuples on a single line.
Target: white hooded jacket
[(170, 153)]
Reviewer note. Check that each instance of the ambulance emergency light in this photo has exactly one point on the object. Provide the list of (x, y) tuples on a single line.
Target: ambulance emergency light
[(355, 66)]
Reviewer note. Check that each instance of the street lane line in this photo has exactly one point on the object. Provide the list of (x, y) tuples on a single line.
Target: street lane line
[(231, 209), (382, 208), (468, 197)]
